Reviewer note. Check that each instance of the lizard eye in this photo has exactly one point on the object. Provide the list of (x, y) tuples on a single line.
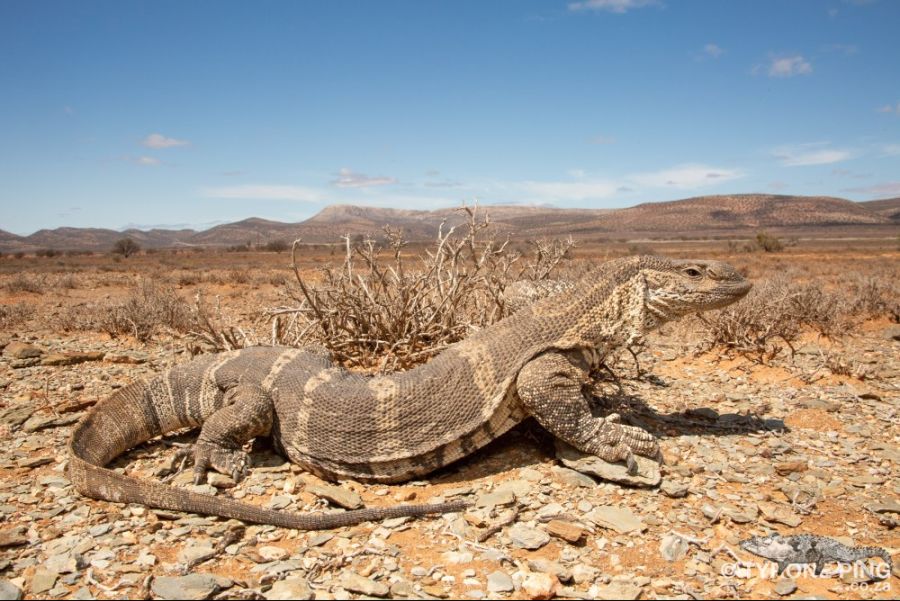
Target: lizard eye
[(694, 273)]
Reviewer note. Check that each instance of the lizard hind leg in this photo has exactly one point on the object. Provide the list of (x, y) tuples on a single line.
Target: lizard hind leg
[(249, 412)]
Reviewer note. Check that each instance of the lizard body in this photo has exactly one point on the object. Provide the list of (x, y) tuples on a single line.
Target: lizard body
[(391, 428), (810, 548)]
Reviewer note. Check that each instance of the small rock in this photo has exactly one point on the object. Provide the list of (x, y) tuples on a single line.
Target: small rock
[(272, 553), (9, 591), (71, 358), (617, 590), (196, 553), (539, 586), (220, 480), (338, 495), (290, 588), (675, 490), (785, 587), (620, 519), (495, 498), (673, 548), (565, 530), (13, 537), (192, 586), (573, 478), (355, 583), (22, 350), (500, 582), (525, 537), (42, 581), (648, 474), (789, 467)]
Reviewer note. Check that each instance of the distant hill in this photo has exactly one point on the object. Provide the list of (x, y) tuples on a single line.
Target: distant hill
[(889, 207), (701, 215)]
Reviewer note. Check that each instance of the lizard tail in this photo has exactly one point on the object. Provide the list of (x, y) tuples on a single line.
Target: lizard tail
[(866, 552), (129, 418)]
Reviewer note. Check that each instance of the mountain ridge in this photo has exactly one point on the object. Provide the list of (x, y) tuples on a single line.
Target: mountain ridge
[(699, 215)]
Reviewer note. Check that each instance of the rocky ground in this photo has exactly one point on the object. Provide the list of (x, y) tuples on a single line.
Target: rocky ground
[(750, 449)]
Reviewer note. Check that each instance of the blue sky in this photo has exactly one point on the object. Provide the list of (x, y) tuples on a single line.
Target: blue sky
[(168, 113)]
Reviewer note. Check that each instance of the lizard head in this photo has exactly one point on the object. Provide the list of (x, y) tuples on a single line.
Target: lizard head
[(680, 287), (771, 547)]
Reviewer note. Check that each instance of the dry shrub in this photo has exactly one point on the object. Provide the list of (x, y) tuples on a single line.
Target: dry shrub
[(24, 282), (875, 296), (772, 316), (148, 309), (381, 308), (13, 315)]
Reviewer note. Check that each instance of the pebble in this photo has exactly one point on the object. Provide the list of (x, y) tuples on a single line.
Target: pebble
[(42, 581), (620, 519), (525, 537), (785, 587), (673, 548), (539, 586), (565, 530), (9, 591), (290, 588), (337, 495), (192, 586), (355, 583), (500, 582)]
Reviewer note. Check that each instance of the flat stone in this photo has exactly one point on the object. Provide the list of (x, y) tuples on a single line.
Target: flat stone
[(290, 588), (675, 490), (573, 478), (124, 358), (355, 583), (526, 537), (71, 358), (13, 537), (22, 350), (16, 416), (617, 590), (192, 586), (9, 591), (500, 582), (785, 587), (565, 530), (337, 495), (648, 474), (196, 553), (42, 581), (620, 519), (495, 498), (220, 480)]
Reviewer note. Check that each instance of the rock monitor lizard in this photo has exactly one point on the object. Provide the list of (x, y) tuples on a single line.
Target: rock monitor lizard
[(391, 428)]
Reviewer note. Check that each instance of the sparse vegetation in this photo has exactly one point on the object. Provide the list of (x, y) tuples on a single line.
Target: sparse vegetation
[(276, 246), (768, 243), (125, 247)]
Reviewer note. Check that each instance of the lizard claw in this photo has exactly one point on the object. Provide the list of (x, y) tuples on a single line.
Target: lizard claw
[(231, 462)]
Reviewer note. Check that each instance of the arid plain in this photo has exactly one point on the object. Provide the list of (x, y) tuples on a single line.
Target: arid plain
[(778, 414)]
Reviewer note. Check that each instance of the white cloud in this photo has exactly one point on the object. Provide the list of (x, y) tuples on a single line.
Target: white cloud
[(348, 179), (613, 6), (161, 141), (264, 192), (786, 66), (713, 50), (151, 161), (890, 150), (801, 155), (687, 177), (890, 109), (601, 139)]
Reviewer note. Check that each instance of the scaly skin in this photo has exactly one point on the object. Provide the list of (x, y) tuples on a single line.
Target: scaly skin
[(392, 428)]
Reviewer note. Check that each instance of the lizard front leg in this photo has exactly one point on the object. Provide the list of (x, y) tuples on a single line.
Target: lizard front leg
[(249, 412), (551, 388)]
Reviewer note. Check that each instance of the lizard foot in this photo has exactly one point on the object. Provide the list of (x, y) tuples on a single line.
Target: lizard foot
[(208, 456), (616, 442)]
